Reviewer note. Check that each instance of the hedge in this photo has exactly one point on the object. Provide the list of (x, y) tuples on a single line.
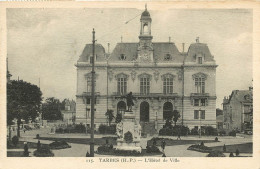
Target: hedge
[(105, 129)]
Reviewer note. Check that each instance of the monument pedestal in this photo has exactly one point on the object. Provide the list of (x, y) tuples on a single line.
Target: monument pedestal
[(129, 133)]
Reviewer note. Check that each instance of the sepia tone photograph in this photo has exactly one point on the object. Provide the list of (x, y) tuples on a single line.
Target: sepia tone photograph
[(129, 82)]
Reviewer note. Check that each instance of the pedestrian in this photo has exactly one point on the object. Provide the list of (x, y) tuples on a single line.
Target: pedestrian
[(163, 145), (179, 136), (25, 152), (38, 145), (163, 155), (224, 148), (24, 130), (87, 155)]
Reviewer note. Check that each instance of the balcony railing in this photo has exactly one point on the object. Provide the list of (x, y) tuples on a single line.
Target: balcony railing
[(199, 94), (89, 93), (117, 94)]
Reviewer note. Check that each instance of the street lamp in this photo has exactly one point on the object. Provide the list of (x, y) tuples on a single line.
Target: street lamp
[(200, 123)]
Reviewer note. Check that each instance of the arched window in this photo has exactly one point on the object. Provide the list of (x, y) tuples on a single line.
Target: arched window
[(199, 79), (121, 107), (145, 28), (167, 83), (145, 83), (167, 110), (121, 83)]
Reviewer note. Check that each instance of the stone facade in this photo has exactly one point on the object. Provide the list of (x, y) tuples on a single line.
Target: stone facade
[(160, 77), (238, 110)]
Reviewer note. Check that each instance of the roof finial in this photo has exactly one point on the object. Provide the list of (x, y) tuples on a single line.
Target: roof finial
[(146, 6)]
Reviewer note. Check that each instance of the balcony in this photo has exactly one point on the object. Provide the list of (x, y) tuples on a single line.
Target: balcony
[(199, 94), (89, 93), (147, 95)]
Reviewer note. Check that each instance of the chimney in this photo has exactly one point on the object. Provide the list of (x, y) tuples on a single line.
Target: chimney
[(108, 45), (198, 40)]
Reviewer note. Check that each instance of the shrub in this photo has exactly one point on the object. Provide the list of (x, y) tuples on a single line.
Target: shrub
[(152, 149), (104, 148), (174, 131), (211, 131), (80, 128), (232, 133), (216, 153), (222, 132), (104, 129), (127, 152), (194, 131), (200, 148), (15, 140), (59, 145), (44, 151)]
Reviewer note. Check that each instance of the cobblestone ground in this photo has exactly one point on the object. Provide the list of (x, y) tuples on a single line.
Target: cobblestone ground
[(80, 150)]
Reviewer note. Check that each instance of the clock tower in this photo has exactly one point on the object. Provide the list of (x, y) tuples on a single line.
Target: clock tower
[(145, 49)]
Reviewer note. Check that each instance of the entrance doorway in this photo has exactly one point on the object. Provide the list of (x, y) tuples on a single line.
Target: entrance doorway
[(167, 110), (144, 112)]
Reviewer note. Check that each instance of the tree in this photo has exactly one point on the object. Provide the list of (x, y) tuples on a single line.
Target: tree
[(118, 117), (110, 116), (23, 102), (176, 116), (51, 109)]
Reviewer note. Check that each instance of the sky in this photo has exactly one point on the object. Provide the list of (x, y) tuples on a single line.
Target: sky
[(46, 43)]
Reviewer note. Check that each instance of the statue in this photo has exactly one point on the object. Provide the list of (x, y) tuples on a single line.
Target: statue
[(119, 130), (129, 101)]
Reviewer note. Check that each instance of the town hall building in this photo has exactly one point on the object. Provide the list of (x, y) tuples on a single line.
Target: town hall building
[(161, 78)]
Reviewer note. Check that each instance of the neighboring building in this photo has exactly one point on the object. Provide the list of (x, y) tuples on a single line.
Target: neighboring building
[(238, 110), (69, 114), (161, 78), (220, 119), (8, 75)]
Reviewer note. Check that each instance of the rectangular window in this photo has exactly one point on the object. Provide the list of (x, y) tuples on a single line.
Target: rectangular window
[(203, 102), (89, 84), (144, 86), (88, 101), (121, 86), (168, 85), (202, 114), (200, 84), (196, 114), (196, 102)]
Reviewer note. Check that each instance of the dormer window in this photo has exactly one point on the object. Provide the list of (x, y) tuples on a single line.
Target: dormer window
[(167, 57), (199, 60), (91, 59), (122, 57)]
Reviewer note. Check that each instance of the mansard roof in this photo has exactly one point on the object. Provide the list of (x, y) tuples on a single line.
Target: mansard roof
[(160, 50), (87, 52), (128, 49), (245, 96), (198, 49)]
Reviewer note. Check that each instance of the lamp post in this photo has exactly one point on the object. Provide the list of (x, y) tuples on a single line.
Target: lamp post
[(92, 96), (200, 123)]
